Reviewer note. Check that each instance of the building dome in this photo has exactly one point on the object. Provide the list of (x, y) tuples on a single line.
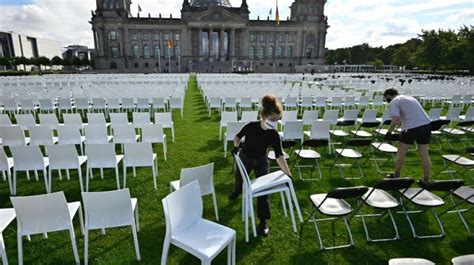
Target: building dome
[(207, 3)]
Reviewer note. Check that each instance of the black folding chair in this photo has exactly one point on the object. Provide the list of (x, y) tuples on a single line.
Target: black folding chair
[(285, 144), (306, 152), (424, 199), (385, 148), (350, 150)]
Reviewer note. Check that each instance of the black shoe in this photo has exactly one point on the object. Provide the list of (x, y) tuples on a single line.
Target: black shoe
[(233, 196), (263, 229)]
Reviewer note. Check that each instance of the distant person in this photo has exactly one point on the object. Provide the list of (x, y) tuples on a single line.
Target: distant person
[(407, 112), (259, 136)]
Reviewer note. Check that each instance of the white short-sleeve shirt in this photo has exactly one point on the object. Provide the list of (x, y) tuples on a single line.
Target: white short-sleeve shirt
[(410, 111)]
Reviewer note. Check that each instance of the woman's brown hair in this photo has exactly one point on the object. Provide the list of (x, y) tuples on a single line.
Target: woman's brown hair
[(270, 105)]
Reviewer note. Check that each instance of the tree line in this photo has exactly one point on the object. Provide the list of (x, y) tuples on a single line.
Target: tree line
[(44, 61), (432, 50)]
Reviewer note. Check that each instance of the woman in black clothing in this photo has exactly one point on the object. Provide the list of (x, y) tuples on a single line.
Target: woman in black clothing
[(260, 135)]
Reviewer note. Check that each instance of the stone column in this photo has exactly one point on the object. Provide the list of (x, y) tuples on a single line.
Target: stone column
[(232, 43), (322, 43), (100, 42), (209, 37), (244, 40), (221, 45), (96, 45), (201, 52), (317, 39)]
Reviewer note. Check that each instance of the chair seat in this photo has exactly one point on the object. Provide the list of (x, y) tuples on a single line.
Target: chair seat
[(308, 154), (331, 206), (463, 260), (459, 160), (424, 198), (454, 131), (271, 155), (385, 147), (204, 238), (379, 199), (362, 133), (107, 164), (175, 185), (435, 132), (349, 153), (339, 133), (410, 261), (268, 181), (464, 193), (6, 217), (468, 129), (381, 131)]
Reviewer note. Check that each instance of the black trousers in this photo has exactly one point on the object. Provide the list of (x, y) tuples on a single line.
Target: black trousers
[(260, 166)]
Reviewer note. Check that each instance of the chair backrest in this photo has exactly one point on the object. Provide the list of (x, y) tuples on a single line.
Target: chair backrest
[(331, 116), (310, 116), (113, 103), (141, 118), (370, 115), (182, 208), (12, 136), (101, 155), (314, 143), (107, 209), (243, 172), (25, 120), (49, 120), (347, 193), (442, 185), (128, 103), (228, 116), (138, 154), (233, 128), (164, 118), (5, 120), (98, 103), (63, 156), (152, 133), (124, 133), (320, 130), (118, 118), (248, 116), (293, 130), (27, 158), (73, 119), (40, 135), (203, 174), (96, 133), (41, 213), (435, 114), (159, 103), (3, 160), (64, 103), (95, 118), (143, 103), (82, 103), (69, 134), (176, 103), (350, 115), (289, 115), (394, 184), (469, 114), (320, 101), (453, 114)]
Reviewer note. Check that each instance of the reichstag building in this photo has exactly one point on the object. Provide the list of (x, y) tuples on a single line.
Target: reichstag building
[(211, 36)]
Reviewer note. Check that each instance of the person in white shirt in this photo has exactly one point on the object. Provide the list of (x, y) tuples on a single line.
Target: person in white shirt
[(407, 112)]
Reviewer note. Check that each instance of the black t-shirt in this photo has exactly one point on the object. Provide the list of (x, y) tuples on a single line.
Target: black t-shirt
[(257, 140)]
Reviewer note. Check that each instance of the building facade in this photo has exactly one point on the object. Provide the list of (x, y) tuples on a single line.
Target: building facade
[(210, 36), (78, 51), (17, 45)]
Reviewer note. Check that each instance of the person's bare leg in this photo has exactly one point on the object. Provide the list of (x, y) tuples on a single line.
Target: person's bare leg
[(401, 154), (425, 159)]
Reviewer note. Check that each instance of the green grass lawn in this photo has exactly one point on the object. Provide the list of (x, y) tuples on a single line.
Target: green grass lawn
[(197, 143)]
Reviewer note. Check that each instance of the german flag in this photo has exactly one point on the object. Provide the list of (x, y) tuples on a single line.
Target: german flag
[(277, 15), (170, 44)]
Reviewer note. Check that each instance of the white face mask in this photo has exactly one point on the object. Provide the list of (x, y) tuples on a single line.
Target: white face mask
[(270, 125)]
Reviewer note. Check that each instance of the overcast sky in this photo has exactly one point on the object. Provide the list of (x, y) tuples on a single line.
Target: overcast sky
[(377, 22)]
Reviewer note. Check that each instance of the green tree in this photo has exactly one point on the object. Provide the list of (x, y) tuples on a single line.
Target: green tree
[(429, 54), (77, 62), (44, 61), (56, 60), (5, 61), (401, 57), (377, 63), (85, 61)]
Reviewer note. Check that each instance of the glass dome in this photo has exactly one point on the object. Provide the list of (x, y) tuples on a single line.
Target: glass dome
[(206, 3)]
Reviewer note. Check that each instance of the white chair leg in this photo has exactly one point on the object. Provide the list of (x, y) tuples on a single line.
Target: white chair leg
[(20, 249), (14, 183), (215, 205), (283, 203), (28, 175), (87, 179), (74, 245), (117, 177), (134, 172), (290, 209), (67, 174), (154, 175), (295, 201), (101, 173), (164, 252), (86, 247), (135, 242), (36, 175), (124, 176), (10, 184), (79, 172), (252, 215), (3, 252), (172, 132), (46, 182), (164, 149), (246, 217)]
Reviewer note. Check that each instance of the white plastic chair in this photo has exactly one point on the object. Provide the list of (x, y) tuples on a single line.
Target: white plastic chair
[(226, 117), (293, 130), (159, 103), (25, 121), (82, 104), (47, 105), (6, 217), (128, 104), (275, 182), (45, 213), (73, 119), (28, 106), (186, 229), (214, 103), (153, 133), (110, 209), (70, 134), (248, 116), (233, 128), (118, 119), (139, 155), (205, 177), (143, 104), (310, 116), (64, 157), (26, 158), (64, 104), (42, 135), (113, 104), (102, 156), (49, 119), (5, 120), (176, 103), (125, 133), (166, 121), (96, 119), (289, 115), (97, 134)]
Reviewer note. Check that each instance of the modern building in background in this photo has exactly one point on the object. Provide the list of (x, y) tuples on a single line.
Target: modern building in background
[(79, 51), (210, 36), (16, 45)]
